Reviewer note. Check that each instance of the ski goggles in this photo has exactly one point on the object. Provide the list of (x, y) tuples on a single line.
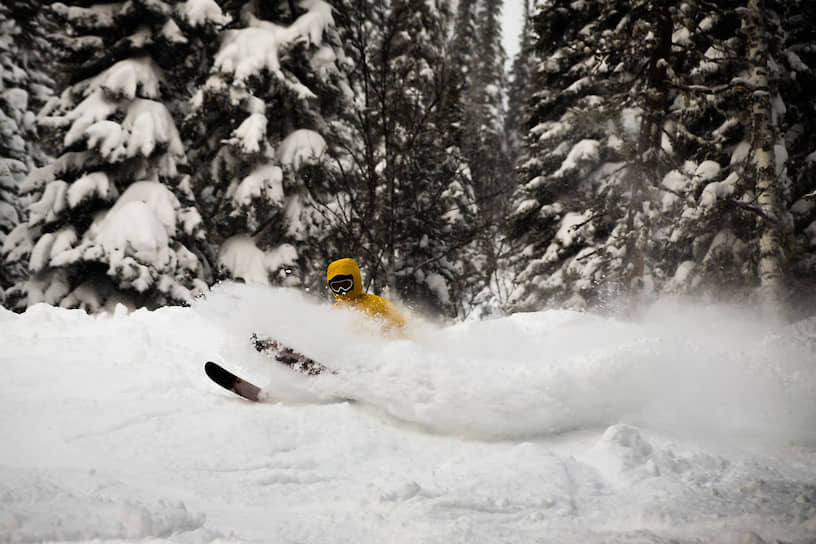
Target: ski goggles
[(340, 285)]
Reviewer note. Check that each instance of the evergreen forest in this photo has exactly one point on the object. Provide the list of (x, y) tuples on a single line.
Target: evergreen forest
[(630, 150)]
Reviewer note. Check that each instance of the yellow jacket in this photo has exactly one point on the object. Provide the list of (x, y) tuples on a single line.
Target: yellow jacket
[(346, 284)]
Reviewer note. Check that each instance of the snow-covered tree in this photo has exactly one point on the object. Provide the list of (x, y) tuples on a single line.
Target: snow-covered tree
[(110, 222), (484, 115), (518, 88), (797, 56), (731, 198), (24, 87), (408, 206), (569, 203), (587, 213), (484, 139), (261, 129), (460, 63), (658, 151)]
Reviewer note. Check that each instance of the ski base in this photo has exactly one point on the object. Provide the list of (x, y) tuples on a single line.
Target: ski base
[(231, 382)]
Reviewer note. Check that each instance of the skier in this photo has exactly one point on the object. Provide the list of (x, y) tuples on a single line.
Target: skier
[(346, 284)]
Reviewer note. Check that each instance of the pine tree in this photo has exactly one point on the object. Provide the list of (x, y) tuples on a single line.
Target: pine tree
[(485, 115), (566, 211), (593, 215), (24, 88), (659, 156), (460, 63), (109, 224), (263, 128), (734, 190), (797, 57), (475, 110), (519, 87), (487, 144)]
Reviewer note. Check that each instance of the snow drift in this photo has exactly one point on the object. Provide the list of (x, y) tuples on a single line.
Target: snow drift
[(717, 371)]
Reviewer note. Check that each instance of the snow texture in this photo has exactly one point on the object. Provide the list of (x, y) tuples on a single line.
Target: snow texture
[(93, 185), (133, 236), (251, 133), (302, 146), (311, 25), (265, 180), (248, 51), (690, 425), (132, 230), (718, 190), (572, 228), (201, 12), (584, 152), (437, 284), (243, 259), (127, 77)]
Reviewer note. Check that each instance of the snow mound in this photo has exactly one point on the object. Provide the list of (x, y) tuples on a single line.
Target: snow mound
[(688, 425), (39, 507)]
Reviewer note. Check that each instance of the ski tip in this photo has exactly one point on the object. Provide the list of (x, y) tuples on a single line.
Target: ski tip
[(228, 380), (212, 368), (220, 375)]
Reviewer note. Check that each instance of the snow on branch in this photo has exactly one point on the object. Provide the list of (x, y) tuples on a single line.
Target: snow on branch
[(584, 152), (95, 107), (172, 33), (201, 12), (133, 230), (264, 181), (127, 77), (250, 134), (243, 259), (110, 137), (18, 243), (161, 201), (574, 227), (323, 59), (248, 51), (90, 186), (51, 245), (133, 239), (97, 16), (311, 25), (52, 202), (718, 190), (301, 146), (151, 124)]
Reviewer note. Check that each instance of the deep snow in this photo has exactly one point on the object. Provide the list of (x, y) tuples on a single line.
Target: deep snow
[(691, 424)]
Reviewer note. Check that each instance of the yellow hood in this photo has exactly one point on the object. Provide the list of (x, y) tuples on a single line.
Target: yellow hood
[(346, 267)]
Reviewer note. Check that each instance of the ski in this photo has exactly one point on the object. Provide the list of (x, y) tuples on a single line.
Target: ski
[(272, 349), (231, 382), (252, 392), (287, 356)]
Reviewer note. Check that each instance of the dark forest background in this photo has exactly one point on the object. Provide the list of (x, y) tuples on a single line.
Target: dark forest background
[(633, 150)]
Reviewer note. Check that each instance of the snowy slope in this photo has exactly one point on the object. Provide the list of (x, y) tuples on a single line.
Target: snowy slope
[(691, 425)]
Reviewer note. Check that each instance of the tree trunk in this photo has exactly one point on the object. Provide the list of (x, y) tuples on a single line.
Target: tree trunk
[(771, 265)]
